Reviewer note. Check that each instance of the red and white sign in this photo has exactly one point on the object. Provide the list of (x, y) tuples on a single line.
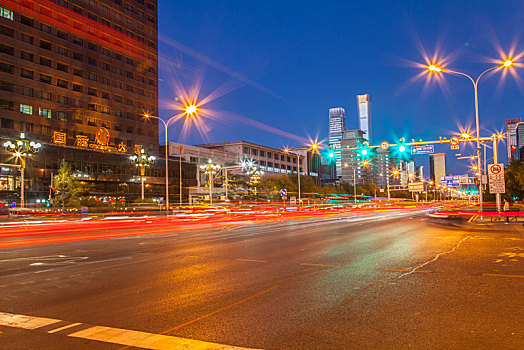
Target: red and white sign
[(496, 178), (384, 146), (454, 141)]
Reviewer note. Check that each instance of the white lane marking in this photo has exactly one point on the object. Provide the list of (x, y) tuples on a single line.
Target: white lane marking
[(320, 265), (252, 260), (435, 258), (64, 327), (119, 336), (25, 322)]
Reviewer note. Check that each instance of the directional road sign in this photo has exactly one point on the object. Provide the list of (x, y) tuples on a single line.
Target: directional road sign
[(451, 181), (283, 192), (423, 149)]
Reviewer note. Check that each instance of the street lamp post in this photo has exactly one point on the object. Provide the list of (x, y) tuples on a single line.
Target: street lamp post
[(21, 149), (437, 69), (210, 169), (314, 148), (142, 161)]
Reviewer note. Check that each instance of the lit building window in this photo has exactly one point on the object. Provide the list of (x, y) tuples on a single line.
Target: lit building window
[(6, 13), (26, 109), (44, 112)]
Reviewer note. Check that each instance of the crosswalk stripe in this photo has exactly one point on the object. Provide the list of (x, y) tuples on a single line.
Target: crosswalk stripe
[(119, 336)]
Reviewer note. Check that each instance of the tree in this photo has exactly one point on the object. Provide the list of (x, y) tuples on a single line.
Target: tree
[(515, 180), (67, 187)]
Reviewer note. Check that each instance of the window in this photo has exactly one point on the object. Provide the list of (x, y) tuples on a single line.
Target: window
[(62, 99), (151, 19), (78, 41), (78, 72), (117, 70), (7, 31), (45, 45), (91, 107), (62, 67), (105, 52), (118, 113), (77, 88), (105, 22), (61, 116), (45, 130), (118, 84), (105, 66), (44, 95), (92, 46), (7, 68), (26, 20), (130, 75), (105, 110), (25, 73), (92, 76), (26, 91), (254, 152), (105, 81), (118, 57), (26, 38), (78, 103), (61, 35), (130, 129), (262, 153), (26, 56), (129, 102), (45, 61), (151, 82), (61, 83), (105, 95), (45, 28), (27, 127), (91, 91), (5, 86), (45, 78), (130, 88), (77, 119), (140, 131), (62, 51), (78, 56), (130, 116), (26, 109), (44, 112), (141, 79), (91, 61), (6, 13), (140, 92), (91, 122), (269, 155), (7, 123), (9, 50)]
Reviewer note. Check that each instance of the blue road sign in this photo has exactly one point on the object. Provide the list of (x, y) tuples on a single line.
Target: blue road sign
[(283, 192), (423, 149), (451, 181)]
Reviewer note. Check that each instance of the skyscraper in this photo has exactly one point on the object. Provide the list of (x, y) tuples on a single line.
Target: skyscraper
[(337, 126), (437, 167), (511, 137), (519, 149), (364, 115)]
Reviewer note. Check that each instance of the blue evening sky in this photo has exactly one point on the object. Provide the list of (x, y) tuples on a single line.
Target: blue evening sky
[(274, 68)]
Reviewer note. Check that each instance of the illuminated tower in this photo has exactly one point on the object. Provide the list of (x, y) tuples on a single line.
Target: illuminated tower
[(337, 126), (364, 115)]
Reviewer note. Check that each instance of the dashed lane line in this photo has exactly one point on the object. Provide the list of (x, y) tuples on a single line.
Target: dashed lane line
[(408, 270), (252, 260), (320, 265), (501, 275), (119, 336)]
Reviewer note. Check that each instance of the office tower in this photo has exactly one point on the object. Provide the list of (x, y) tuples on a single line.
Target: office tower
[(69, 68), (518, 153), (511, 137), (437, 167), (364, 115), (337, 126)]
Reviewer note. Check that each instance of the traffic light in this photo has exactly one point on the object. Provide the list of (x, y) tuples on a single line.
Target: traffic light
[(364, 151), (401, 147)]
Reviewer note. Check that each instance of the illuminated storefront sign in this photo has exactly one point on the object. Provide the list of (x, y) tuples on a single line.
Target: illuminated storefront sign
[(102, 138)]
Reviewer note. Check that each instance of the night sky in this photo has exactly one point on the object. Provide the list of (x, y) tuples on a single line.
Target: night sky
[(272, 69)]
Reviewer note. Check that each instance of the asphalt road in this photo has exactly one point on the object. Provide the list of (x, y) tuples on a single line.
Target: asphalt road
[(381, 282)]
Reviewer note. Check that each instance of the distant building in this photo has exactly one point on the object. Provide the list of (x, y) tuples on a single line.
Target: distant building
[(511, 138), (337, 126), (519, 151), (437, 167), (364, 115)]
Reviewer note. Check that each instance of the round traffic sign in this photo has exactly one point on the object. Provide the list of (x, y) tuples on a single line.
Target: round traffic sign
[(454, 140), (384, 146), (283, 192), (495, 169)]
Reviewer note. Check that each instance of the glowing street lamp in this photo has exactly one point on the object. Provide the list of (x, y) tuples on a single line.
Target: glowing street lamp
[(435, 69), (22, 149), (142, 161), (191, 109), (210, 169)]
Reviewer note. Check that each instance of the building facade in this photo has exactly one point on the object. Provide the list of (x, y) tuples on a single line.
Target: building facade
[(337, 126), (511, 137), (437, 167), (78, 76), (519, 150), (364, 115)]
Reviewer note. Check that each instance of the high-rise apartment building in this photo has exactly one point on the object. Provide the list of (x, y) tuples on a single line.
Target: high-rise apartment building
[(437, 167), (511, 137), (69, 68), (364, 115), (337, 126)]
